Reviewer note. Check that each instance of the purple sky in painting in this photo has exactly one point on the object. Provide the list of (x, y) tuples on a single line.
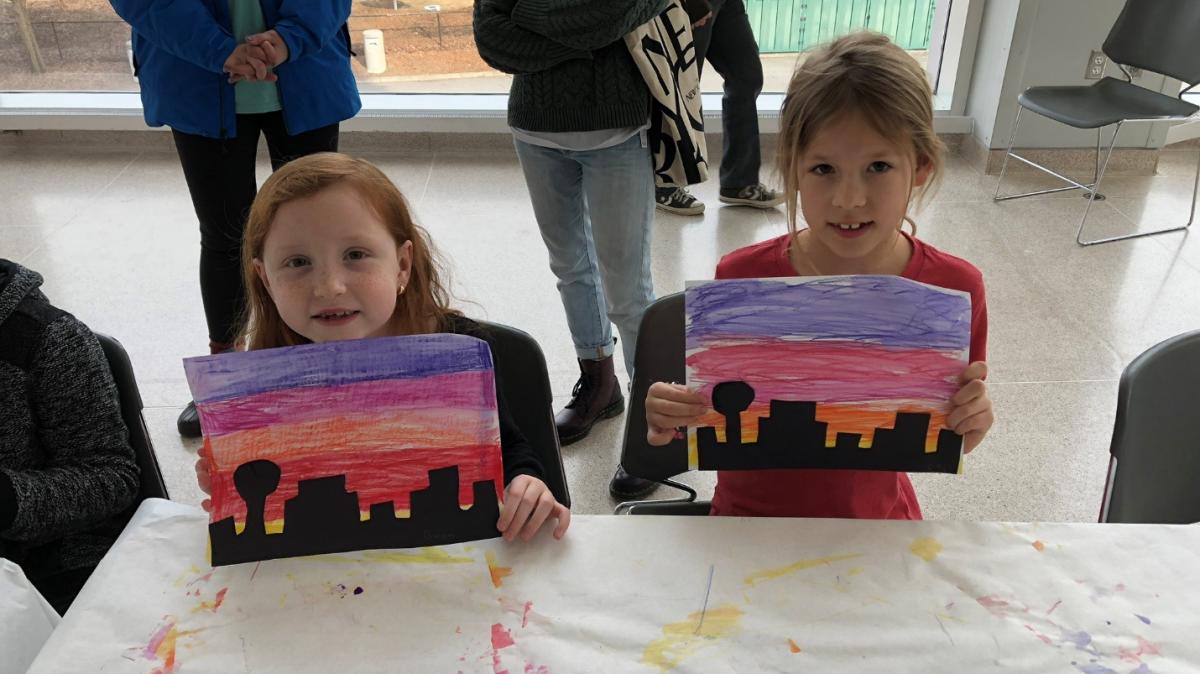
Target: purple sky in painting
[(232, 375), (884, 310)]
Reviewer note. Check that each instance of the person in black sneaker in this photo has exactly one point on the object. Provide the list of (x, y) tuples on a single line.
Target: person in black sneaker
[(221, 74), (727, 42)]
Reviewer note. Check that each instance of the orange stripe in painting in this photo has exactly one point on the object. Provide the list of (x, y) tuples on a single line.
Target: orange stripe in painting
[(852, 418)]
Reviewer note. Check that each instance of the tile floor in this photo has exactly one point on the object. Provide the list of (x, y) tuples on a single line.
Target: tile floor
[(113, 232)]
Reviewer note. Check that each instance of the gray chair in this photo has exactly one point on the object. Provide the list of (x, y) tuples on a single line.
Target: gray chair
[(150, 480), (1154, 469), (522, 372), (658, 356), (1155, 35)]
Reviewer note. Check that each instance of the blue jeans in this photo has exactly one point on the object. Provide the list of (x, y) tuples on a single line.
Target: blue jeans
[(595, 209)]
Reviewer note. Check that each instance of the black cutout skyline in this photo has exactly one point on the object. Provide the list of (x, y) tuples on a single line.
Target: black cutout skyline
[(791, 437), (324, 517)]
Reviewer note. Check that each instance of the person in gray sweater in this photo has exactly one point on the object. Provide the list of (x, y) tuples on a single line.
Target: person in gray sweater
[(68, 475), (579, 110)]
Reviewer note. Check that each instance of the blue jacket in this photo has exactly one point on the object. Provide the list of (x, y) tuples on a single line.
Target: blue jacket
[(180, 48)]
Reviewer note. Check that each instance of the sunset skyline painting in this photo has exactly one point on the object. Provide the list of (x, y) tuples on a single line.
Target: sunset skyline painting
[(384, 413), (863, 348)]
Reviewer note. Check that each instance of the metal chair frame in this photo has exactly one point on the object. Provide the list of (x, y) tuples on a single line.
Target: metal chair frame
[(1093, 188)]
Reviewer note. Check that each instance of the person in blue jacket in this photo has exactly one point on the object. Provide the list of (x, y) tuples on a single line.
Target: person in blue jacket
[(220, 73)]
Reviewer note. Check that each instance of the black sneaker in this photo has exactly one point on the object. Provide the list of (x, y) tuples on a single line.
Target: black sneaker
[(189, 421), (755, 196), (677, 200)]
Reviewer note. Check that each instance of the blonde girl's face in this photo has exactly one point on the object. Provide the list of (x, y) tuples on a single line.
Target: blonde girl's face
[(332, 268), (854, 190)]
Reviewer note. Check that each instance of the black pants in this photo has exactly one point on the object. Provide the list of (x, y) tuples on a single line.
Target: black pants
[(727, 41), (220, 178)]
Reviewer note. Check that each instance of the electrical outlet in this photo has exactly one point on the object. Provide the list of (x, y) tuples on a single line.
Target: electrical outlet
[(1095, 65)]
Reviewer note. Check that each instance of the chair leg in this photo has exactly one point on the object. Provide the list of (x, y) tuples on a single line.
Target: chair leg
[(625, 506), (1124, 237), (1009, 153)]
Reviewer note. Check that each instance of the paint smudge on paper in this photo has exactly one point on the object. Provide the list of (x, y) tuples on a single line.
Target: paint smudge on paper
[(926, 548), (793, 646), (422, 556), (1095, 669), (214, 604), (497, 572), (1039, 546), (772, 574), (1144, 648), (525, 613), (681, 640), (161, 647), (1142, 618)]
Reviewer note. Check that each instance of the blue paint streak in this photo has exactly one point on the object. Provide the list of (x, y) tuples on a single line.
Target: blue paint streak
[(1142, 669), (1095, 669), (234, 375), (886, 310), (1143, 618)]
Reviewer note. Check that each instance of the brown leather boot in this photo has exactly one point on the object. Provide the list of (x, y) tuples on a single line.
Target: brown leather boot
[(597, 395)]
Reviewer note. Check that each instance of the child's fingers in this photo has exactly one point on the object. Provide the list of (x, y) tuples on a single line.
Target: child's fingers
[(971, 440), (972, 390), (207, 505), (512, 496), (563, 514), (976, 370), (671, 408), (545, 506), (202, 476), (969, 408), (675, 392), (657, 437), (974, 429), (522, 509)]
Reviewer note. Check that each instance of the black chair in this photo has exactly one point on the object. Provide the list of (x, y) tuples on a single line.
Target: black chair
[(1155, 35), (151, 483), (1155, 464), (658, 357), (522, 371)]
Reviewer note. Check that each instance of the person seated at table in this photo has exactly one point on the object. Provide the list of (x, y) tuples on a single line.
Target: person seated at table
[(856, 140), (331, 253), (68, 474)]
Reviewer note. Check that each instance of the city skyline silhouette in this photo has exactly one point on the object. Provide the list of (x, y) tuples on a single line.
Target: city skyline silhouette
[(791, 436), (324, 517)]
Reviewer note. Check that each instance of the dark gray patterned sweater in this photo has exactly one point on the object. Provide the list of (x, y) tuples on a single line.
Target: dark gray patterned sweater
[(67, 471), (572, 69)]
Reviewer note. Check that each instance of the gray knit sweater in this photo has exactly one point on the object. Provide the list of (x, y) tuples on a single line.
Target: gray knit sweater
[(572, 70), (67, 470)]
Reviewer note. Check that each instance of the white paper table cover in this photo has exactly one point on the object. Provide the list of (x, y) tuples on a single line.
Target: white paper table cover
[(628, 594), (27, 619)]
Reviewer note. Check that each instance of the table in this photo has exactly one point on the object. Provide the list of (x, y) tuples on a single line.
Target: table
[(652, 594), (28, 619)]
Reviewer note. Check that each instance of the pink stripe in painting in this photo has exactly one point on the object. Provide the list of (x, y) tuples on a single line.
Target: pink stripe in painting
[(827, 371), (459, 390)]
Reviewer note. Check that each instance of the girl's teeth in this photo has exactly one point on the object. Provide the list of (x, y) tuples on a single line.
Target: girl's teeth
[(850, 226)]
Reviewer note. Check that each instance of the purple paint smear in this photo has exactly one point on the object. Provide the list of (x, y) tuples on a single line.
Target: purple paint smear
[(234, 375), (886, 310), (1142, 618)]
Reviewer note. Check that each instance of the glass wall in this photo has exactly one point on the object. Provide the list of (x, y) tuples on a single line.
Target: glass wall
[(420, 47)]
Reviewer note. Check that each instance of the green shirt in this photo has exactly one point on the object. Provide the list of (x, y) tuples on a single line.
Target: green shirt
[(252, 97)]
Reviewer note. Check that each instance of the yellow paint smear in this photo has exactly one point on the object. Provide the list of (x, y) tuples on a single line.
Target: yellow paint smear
[(681, 640), (926, 548), (772, 574), (497, 572), (855, 571), (793, 646)]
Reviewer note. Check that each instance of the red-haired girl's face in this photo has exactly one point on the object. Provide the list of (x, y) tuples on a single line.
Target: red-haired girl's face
[(332, 268)]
